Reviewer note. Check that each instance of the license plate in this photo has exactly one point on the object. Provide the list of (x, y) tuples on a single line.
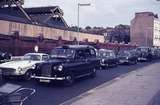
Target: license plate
[(121, 61), (44, 80)]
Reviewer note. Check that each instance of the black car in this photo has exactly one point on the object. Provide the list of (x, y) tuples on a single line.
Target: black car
[(107, 58), (68, 63), (145, 53), (155, 53), (127, 57)]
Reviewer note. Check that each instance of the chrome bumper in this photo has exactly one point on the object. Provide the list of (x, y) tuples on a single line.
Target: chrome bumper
[(48, 78), (123, 61), (140, 59), (103, 64)]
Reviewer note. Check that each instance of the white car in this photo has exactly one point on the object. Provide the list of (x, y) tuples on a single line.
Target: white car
[(24, 66)]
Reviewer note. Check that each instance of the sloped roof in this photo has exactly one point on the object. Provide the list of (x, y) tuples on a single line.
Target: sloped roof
[(41, 10), (15, 14)]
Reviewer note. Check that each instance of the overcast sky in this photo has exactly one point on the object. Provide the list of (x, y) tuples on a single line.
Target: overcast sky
[(101, 12)]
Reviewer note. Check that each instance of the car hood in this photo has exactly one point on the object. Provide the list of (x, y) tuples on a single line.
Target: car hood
[(16, 64), (123, 57)]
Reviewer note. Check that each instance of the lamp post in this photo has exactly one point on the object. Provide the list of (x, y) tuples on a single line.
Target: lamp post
[(79, 4)]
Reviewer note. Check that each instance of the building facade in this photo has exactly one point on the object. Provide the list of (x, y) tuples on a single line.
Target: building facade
[(156, 33), (145, 29)]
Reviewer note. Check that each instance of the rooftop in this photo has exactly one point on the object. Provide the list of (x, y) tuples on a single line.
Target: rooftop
[(50, 16)]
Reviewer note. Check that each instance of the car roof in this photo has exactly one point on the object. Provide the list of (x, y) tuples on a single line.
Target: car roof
[(105, 50), (143, 47), (76, 46), (37, 54)]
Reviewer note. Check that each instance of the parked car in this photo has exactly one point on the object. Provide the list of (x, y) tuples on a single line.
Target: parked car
[(23, 68), (107, 58), (4, 57), (145, 53), (155, 53), (127, 57), (68, 63), (158, 53)]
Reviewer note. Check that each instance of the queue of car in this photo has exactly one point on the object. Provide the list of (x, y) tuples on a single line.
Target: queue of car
[(70, 62)]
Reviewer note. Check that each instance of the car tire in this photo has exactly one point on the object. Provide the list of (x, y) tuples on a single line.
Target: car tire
[(93, 74), (115, 64), (69, 80), (136, 61), (103, 67), (27, 75)]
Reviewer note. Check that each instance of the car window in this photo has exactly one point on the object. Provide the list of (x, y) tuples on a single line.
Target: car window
[(87, 53), (124, 53), (62, 53), (33, 57), (93, 53), (113, 55), (45, 57), (80, 54), (143, 49)]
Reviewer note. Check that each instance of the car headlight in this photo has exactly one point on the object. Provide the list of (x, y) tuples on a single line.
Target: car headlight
[(33, 66), (102, 60), (19, 70), (60, 68)]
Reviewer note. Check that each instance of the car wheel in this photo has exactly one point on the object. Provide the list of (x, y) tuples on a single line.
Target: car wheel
[(93, 74), (69, 80), (27, 75), (103, 67), (116, 64), (136, 61)]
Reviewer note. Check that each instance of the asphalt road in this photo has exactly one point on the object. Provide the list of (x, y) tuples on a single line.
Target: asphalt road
[(56, 94)]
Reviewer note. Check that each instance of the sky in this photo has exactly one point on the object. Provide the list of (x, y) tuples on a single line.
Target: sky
[(101, 13)]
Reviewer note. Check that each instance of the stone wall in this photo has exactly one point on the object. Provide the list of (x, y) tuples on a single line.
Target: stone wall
[(8, 27)]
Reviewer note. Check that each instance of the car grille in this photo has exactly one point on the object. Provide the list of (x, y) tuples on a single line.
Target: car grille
[(46, 71), (7, 71)]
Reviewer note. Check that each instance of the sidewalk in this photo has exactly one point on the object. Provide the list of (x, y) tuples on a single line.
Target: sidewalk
[(141, 87)]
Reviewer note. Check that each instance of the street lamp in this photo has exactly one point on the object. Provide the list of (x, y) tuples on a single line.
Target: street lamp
[(79, 4)]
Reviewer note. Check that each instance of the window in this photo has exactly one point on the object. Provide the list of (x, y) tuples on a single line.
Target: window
[(80, 54), (45, 57), (93, 52)]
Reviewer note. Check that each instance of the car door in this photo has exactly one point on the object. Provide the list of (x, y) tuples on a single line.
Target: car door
[(79, 64), (92, 61), (112, 59)]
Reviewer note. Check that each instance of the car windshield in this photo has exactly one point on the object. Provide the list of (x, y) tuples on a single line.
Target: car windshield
[(124, 53), (142, 49), (104, 54), (33, 57), (62, 53)]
